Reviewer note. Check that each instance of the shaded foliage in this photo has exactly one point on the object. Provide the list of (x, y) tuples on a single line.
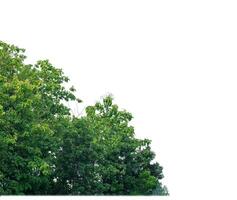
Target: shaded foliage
[(45, 150)]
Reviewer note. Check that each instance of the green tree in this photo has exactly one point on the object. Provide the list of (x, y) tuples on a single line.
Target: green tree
[(30, 103), (46, 150), (102, 156)]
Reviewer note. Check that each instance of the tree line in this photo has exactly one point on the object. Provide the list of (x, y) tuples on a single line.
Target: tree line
[(45, 150)]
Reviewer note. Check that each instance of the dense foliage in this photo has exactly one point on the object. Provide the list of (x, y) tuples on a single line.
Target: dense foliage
[(45, 150)]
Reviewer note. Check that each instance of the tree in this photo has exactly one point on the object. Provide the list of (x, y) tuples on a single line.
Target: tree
[(104, 157), (46, 150), (30, 102)]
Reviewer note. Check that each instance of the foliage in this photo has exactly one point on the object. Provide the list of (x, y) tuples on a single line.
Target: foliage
[(45, 150)]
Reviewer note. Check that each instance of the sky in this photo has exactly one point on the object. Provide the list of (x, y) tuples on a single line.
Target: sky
[(172, 64)]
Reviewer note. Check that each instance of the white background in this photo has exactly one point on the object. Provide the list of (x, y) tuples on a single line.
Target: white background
[(172, 64)]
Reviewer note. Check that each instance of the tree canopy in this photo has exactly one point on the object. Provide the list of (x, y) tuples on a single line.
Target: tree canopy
[(44, 150)]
